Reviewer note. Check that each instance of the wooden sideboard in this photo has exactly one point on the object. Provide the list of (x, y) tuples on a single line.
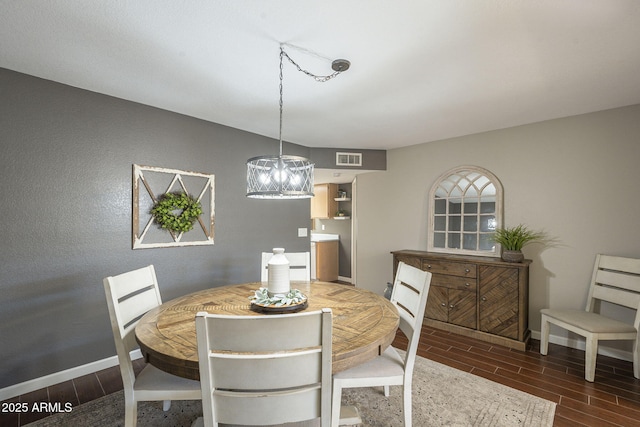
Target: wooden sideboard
[(480, 297)]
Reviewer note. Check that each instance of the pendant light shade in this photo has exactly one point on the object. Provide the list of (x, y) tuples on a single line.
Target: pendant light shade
[(281, 176)]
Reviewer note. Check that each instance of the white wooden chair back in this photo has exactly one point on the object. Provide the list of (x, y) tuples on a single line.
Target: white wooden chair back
[(615, 280), (262, 370), (410, 292), (299, 266), (129, 296)]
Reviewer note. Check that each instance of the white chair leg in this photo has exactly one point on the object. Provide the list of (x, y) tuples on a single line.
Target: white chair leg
[(544, 336), (591, 354), (166, 405), (636, 359), (335, 403), (406, 398), (386, 390), (130, 412)]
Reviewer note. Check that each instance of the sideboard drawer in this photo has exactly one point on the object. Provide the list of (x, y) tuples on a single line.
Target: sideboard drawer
[(450, 268), (454, 282)]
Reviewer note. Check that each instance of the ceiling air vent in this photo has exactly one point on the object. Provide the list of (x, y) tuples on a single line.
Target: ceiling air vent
[(348, 159)]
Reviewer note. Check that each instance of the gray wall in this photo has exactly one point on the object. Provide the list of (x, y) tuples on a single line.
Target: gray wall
[(576, 177), (67, 157)]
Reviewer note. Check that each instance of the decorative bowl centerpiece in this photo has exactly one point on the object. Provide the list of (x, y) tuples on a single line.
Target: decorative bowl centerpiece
[(265, 302)]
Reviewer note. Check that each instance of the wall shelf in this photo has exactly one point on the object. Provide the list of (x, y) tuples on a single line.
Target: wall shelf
[(343, 198)]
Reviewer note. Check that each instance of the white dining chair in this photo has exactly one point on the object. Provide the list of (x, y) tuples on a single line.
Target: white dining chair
[(410, 291), (263, 370), (129, 296), (615, 280), (299, 266)]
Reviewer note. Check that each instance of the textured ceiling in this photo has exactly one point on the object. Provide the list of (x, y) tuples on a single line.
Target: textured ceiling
[(422, 70)]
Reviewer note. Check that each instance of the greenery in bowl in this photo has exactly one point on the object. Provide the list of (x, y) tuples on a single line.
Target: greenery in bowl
[(514, 238), (262, 297)]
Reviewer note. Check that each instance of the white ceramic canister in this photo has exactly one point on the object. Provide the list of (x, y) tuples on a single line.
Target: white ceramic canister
[(278, 278)]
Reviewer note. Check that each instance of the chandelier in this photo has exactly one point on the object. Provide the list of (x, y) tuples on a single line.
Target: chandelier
[(284, 176)]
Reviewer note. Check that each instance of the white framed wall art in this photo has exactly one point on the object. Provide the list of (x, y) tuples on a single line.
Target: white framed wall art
[(152, 189)]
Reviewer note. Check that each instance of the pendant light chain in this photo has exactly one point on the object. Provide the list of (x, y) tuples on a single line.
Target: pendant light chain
[(285, 177), (339, 66), (320, 79), (281, 104)]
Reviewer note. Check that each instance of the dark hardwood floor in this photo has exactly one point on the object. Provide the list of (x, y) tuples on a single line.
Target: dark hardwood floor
[(613, 400), (76, 392)]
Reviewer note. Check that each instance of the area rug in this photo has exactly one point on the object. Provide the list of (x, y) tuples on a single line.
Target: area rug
[(442, 396)]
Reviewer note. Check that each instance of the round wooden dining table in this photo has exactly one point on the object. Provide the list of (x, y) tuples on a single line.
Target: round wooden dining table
[(364, 323)]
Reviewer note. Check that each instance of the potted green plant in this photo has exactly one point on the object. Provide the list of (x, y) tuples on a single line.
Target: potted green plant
[(513, 239)]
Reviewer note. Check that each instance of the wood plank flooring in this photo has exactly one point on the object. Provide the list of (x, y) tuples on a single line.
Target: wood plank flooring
[(77, 391), (613, 400)]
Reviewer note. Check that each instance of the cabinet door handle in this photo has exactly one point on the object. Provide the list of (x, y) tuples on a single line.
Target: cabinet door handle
[(451, 306), (466, 270), (444, 304), (467, 285), (484, 298), (429, 266)]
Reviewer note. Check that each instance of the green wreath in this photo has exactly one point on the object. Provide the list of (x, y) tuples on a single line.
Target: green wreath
[(176, 212)]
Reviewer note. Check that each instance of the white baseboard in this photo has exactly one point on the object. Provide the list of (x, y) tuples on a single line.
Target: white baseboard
[(579, 344), (345, 279), (62, 376)]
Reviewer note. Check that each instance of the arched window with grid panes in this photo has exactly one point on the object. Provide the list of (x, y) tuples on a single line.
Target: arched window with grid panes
[(465, 208)]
